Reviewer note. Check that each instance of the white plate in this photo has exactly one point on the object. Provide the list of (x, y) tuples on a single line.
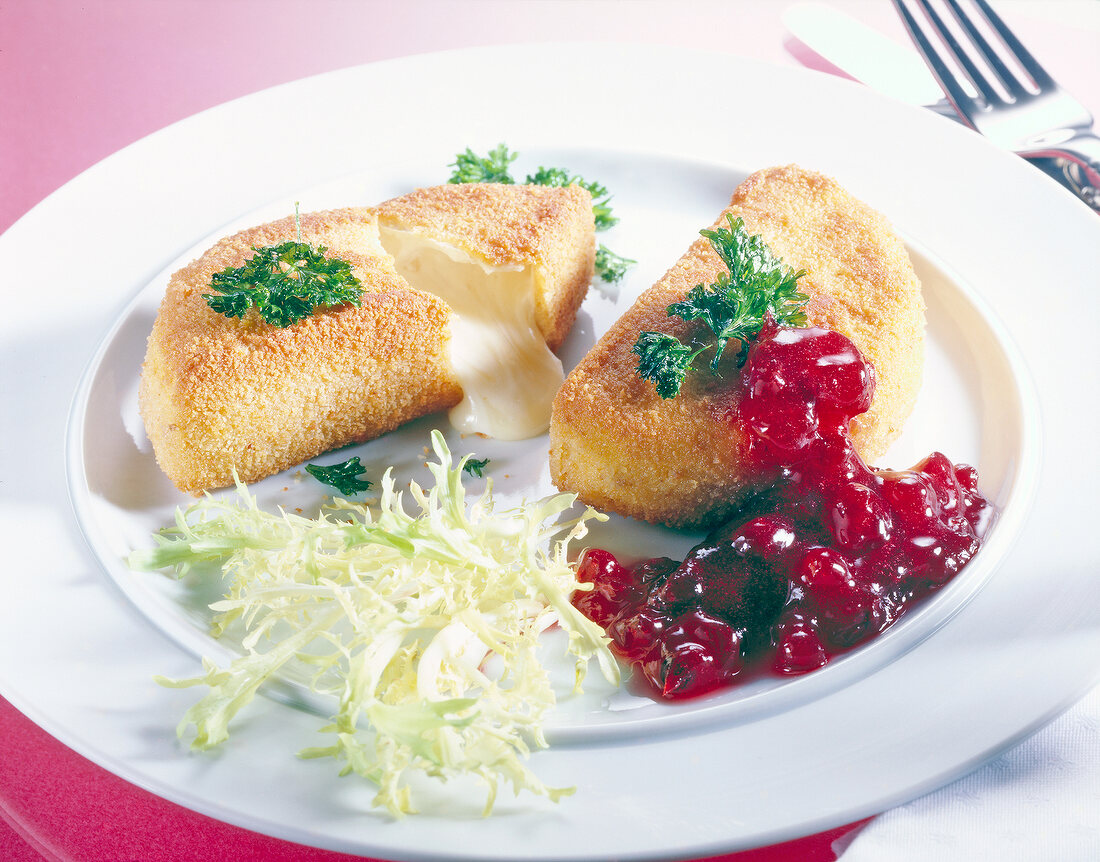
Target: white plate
[(1001, 650)]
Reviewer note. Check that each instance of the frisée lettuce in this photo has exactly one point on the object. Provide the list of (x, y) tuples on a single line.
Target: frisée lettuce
[(395, 615)]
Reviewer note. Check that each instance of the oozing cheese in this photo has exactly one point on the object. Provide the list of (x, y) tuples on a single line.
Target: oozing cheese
[(508, 375)]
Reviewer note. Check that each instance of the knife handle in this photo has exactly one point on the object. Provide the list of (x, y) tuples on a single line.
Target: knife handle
[(1081, 150)]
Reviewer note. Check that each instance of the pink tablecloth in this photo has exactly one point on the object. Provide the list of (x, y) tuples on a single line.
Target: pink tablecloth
[(80, 80)]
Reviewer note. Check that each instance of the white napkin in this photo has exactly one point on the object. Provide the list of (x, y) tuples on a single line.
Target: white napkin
[(1039, 801)]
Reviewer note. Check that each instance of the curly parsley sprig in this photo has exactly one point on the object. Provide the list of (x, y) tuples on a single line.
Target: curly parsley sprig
[(495, 168), (663, 359), (344, 477), (475, 466), (756, 287), (611, 267), (492, 168), (285, 283)]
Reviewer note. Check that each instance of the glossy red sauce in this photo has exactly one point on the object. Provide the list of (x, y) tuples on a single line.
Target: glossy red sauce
[(826, 552)]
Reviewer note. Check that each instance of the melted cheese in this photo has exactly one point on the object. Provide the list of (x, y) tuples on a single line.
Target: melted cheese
[(508, 375)]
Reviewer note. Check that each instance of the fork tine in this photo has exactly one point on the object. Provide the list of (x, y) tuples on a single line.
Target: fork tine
[(933, 55), (990, 56), (978, 78), (1042, 79)]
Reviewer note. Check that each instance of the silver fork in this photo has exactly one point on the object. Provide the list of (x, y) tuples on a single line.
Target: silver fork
[(1028, 113)]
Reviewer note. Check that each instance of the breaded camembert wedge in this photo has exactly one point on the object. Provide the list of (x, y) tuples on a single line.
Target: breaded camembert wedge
[(514, 264), (547, 232), (221, 395), (624, 449)]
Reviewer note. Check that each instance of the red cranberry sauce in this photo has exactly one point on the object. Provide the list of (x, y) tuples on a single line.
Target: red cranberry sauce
[(825, 554)]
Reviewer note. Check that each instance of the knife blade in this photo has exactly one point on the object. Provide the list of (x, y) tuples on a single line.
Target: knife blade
[(863, 53)]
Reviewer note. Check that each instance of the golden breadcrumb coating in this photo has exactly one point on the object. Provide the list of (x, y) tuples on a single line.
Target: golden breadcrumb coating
[(220, 393), (623, 449), (547, 228)]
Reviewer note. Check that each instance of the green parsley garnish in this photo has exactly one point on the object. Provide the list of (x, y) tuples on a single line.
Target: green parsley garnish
[(475, 466), (284, 283), (734, 308), (342, 476), (494, 168), (611, 267), (665, 360)]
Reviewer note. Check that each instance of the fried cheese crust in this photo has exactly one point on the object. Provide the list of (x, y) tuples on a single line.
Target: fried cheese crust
[(220, 394), (623, 449)]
